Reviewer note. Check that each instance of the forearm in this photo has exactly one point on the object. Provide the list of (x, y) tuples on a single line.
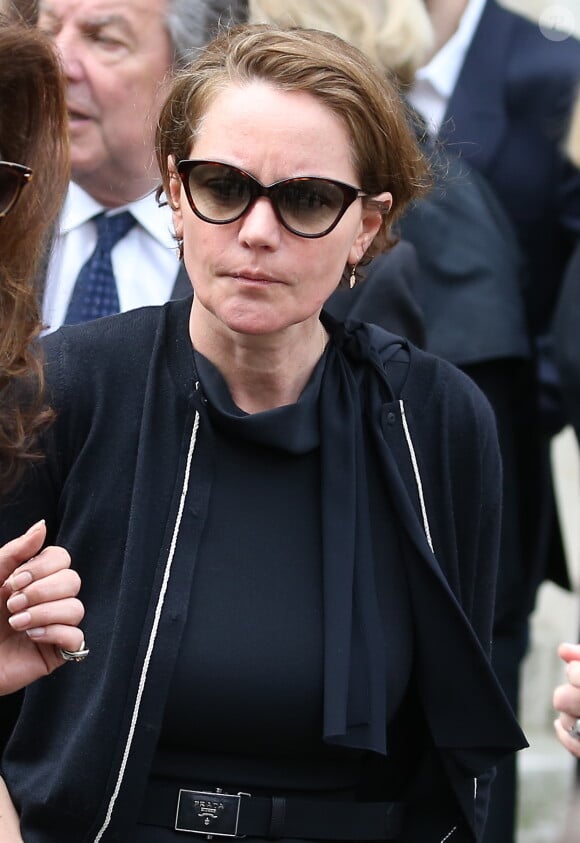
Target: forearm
[(9, 821)]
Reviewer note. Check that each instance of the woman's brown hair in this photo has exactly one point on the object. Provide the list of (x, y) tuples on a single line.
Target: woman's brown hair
[(33, 132), (385, 152)]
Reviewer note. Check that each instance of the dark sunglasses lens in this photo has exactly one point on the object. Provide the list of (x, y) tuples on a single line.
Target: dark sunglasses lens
[(10, 183), (309, 206), (219, 193)]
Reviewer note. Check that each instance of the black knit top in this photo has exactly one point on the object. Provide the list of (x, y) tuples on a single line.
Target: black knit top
[(245, 705)]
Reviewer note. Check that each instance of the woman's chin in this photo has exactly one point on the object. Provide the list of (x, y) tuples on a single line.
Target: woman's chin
[(252, 320)]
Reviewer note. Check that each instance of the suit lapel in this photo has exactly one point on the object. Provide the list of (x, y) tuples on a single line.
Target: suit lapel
[(476, 119)]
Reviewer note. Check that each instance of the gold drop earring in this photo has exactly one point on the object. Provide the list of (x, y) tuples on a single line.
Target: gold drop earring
[(352, 279)]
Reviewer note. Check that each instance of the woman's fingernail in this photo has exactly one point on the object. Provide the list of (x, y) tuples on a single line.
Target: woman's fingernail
[(17, 602), (35, 527), (37, 632), (20, 581), (19, 621)]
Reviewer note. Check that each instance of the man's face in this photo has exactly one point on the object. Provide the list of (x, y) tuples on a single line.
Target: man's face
[(116, 54)]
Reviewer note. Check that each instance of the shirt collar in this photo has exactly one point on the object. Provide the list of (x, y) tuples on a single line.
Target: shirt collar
[(444, 68), (79, 207)]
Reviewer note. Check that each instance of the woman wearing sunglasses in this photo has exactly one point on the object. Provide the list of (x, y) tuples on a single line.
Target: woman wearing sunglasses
[(33, 178), (286, 527)]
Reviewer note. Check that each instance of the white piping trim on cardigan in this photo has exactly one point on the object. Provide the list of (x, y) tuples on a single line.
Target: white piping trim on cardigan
[(427, 530), (153, 635), (426, 527)]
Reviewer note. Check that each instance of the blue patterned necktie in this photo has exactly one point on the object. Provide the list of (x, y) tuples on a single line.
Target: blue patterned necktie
[(95, 290)]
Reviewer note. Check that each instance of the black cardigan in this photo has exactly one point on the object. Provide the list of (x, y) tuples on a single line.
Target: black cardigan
[(112, 490)]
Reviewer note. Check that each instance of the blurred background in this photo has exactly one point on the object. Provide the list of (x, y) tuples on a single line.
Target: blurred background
[(547, 772)]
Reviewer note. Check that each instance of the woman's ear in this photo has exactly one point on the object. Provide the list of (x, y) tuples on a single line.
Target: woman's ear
[(373, 212), (174, 197)]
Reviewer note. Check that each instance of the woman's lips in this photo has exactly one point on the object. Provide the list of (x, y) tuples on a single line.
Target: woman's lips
[(254, 277)]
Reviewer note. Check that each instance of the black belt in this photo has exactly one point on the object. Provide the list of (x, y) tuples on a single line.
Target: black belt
[(218, 814)]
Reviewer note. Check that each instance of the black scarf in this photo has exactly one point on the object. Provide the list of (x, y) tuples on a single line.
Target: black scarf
[(349, 393)]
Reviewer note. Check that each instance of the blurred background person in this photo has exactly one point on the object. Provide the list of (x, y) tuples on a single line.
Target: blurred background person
[(567, 316), (507, 111), (113, 248), (567, 341), (20, 11), (567, 354), (396, 35)]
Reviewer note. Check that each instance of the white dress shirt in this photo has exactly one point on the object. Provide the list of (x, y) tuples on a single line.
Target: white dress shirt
[(435, 82), (144, 262)]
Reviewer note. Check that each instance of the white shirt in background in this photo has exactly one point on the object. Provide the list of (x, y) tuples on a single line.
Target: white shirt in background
[(435, 82), (144, 262)]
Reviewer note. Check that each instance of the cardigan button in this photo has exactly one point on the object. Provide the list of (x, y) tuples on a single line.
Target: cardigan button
[(388, 417)]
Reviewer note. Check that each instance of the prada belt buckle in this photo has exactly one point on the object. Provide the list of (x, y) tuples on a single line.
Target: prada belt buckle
[(211, 814)]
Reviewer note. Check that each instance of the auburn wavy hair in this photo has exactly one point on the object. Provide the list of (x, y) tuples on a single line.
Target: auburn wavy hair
[(34, 132)]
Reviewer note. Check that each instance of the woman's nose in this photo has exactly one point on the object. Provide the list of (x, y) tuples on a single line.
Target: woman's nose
[(259, 225)]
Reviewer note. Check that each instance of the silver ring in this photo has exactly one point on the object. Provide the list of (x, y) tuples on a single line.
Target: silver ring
[(82, 653), (575, 729)]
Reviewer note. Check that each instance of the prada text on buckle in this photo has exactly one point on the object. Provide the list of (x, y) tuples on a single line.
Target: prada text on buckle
[(211, 814)]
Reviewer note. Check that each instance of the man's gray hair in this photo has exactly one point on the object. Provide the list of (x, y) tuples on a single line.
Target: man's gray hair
[(192, 23)]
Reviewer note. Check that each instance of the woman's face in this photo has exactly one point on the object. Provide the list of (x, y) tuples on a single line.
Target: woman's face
[(254, 275)]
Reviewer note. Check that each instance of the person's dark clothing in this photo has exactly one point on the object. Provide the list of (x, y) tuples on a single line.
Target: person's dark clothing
[(508, 117), (127, 487), (567, 341)]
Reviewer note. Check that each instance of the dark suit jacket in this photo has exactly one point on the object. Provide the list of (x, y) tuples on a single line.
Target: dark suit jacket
[(508, 116), (471, 273), (470, 269)]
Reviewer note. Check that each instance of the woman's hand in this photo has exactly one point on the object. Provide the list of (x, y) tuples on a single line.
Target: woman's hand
[(566, 698), (39, 609), (9, 821)]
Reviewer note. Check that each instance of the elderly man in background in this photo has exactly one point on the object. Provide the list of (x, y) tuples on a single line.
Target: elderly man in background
[(113, 250)]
